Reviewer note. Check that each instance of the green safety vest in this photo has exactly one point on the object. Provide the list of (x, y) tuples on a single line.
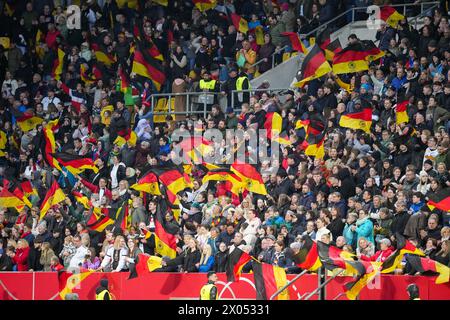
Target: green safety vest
[(205, 292), (101, 295), (208, 85), (240, 82)]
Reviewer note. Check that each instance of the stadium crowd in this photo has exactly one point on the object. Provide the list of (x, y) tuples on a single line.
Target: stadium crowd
[(368, 187)]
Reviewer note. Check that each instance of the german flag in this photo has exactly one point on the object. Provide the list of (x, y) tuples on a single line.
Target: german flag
[(165, 234), (404, 246), (195, 148), (54, 196), (324, 38), (373, 52), (18, 192), (296, 42), (308, 258), (68, 282), (346, 86), (75, 163), (27, 188), (145, 264), (130, 136), (313, 66), (124, 80), (122, 216), (440, 200), (302, 124), (9, 200), (391, 16), (145, 42), (235, 182), (26, 121), (174, 181), (250, 177), (269, 279), (147, 234), (49, 145), (103, 57), (239, 23), (352, 59), (358, 120), (235, 262), (426, 264), (89, 78), (148, 183), (204, 5), (368, 272), (58, 65), (315, 136), (82, 199), (401, 112), (335, 258), (332, 48), (39, 39), (273, 124), (98, 222), (148, 67)]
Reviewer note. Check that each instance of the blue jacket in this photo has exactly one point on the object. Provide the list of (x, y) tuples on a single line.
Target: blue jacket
[(365, 230), (415, 207), (349, 235), (207, 266), (398, 83), (307, 199)]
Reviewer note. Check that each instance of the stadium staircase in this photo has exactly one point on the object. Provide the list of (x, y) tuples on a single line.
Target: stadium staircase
[(283, 75)]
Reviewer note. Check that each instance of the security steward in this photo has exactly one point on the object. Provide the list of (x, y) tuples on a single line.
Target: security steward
[(209, 290), (102, 292), (207, 84), (413, 291), (236, 81)]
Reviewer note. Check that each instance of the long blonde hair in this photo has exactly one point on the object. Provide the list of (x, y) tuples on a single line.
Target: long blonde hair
[(117, 242), (204, 257)]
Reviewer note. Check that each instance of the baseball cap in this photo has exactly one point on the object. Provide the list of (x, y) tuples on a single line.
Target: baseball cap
[(270, 236)]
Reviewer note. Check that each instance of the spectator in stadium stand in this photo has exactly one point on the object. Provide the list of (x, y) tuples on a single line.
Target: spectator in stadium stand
[(382, 254)]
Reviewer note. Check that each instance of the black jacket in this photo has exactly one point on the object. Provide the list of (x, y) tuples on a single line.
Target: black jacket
[(190, 259), (336, 227), (399, 222), (220, 261)]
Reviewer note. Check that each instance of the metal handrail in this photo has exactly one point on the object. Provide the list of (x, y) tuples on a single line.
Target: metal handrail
[(352, 10), (188, 108), (233, 92)]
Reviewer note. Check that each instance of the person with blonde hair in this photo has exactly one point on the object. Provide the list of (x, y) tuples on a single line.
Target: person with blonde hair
[(20, 256), (47, 254), (206, 259), (115, 258)]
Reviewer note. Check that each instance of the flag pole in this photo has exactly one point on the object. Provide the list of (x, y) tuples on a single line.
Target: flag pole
[(323, 285), (288, 284)]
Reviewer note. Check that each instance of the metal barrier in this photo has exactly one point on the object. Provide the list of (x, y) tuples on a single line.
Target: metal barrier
[(192, 99), (252, 91), (352, 11)]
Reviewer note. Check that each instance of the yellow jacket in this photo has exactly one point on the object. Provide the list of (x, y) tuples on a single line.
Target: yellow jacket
[(250, 58)]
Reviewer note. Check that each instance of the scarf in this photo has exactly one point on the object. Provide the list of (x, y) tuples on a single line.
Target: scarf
[(361, 221)]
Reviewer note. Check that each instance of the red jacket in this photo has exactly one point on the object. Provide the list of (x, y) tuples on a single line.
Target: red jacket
[(58, 267), (96, 189), (21, 259), (378, 256)]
